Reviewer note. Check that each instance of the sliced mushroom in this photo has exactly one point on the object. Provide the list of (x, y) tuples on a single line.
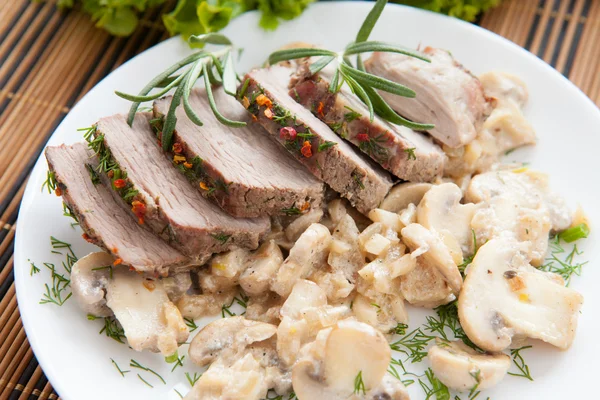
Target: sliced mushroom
[(328, 370), (440, 210), (261, 267), (310, 252), (381, 311), (230, 264), (265, 308), (345, 256), (227, 338), (505, 297), (503, 86), (431, 249), (404, 194), (143, 309), (425, 286), (177, 285), (461, 368), (300, 224), (304, 314), (202, 305), (89, 279)]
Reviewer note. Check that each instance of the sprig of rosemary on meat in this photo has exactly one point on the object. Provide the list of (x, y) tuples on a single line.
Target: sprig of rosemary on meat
[(363, 84), (216, 68)]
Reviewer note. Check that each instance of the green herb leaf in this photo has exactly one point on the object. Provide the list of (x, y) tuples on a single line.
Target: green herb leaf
[(212, 38), (365, 47), (211, 101), (358, 90), (376, 82), (190, 79), (293, 54), (575, 233), (229, 76), (369, 23), (321, 63)]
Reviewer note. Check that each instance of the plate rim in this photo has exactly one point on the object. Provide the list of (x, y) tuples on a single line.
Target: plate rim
[(60, 385)]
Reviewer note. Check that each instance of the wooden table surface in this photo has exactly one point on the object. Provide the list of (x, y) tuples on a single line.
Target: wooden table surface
[(50, 59)]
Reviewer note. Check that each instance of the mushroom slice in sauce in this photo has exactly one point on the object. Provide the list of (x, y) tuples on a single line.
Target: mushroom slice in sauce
[(143, 309), (404, 194), (461, 368), (440, 210), (329, 367), (309, 252), (89, 279), (429, 246), (261, 267), (505, 297)]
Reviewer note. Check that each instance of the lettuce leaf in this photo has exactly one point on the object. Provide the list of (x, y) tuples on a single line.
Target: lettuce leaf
[(463, 9)]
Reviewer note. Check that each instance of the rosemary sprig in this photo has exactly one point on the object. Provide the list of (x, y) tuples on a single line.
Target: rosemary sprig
[(216, 67), (363, 84)]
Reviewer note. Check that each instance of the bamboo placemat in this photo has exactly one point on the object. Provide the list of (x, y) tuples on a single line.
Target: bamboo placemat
[(49, 59)]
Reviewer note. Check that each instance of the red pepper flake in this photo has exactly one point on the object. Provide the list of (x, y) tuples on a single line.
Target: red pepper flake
[(269, 113), (139, 209), (287, 133), (254, 118), (58, 191), (131, 269), (263, 100), (305, 206), (177, 148), (245, 102), (86, 237), (187, 165), (110, 174), (118, 261), (306, 149), (320, 108), (149, 284), (203, 186), (119, 183), (362, 137)]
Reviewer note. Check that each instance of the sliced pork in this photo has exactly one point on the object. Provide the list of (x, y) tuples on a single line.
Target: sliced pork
[(409, 155), (244, 172), (448, 95), (105, 222), (310, 141), (162, 198)]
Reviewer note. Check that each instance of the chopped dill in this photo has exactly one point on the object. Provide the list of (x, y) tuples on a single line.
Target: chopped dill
[(108, 267), (136, 364), (112, 329), (93, 174), (192, 379), (411, 153), (60, 284), (145, 381), (34, 270), (178, 363), (325, 145), (359, 384), (434, 387), (400, 329), (291, 211), (520, 363), (358, 180), (177, 391), (50, 183), (68, 212), (413, 345), (220, 237), (375, 149), (566, 267), (119, 368), (352, 115), (191, 324)]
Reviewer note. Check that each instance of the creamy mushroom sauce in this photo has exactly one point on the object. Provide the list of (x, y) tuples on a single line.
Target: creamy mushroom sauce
[(327, 288)]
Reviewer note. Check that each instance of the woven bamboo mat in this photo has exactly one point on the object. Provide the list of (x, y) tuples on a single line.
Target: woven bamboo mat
[(49, 59)]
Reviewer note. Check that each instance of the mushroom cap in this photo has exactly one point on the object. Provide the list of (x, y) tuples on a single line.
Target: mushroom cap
[(504, 296), (351, 347), (227, 337), (89, 282), (461, 368), (262, 266), (404, 194)]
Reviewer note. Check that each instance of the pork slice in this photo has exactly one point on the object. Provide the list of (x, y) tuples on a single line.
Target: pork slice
[(165, 201), (448, 95), (409, 155), (105, 222), (245, 172), (310, 141)]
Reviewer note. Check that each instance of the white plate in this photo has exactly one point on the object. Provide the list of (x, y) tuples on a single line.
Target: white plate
[(77, 360)]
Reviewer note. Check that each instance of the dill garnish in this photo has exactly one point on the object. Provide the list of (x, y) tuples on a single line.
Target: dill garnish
[(108, 267), (113, 329), (359, 384), (135, 364), (520, 363), (178, 363), (352, 115), (413, 345), (177, 391), (119, 369), (67, 212), (50, 182), (273, 396), (60, 284), (93, 174), (358, 180), (192, 379), (411, 153), (191, 324), (325, 145), (291, 211), (220, 237), (374, 148), (566, 267), (34, 270), (437, 388), (145, 381)]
